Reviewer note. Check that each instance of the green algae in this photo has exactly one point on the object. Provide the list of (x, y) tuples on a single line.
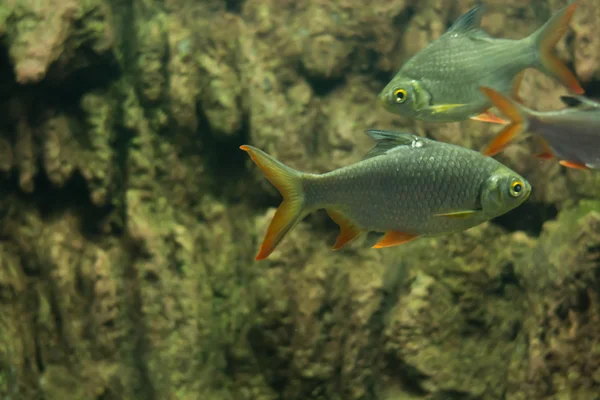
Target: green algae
[(137, 280)]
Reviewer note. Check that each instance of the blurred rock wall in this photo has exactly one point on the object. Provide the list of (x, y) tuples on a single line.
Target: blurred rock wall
[(129, 218)]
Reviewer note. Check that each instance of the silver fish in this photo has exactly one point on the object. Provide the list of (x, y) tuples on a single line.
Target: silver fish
[(572, 135), (441, 82), (407, 186)]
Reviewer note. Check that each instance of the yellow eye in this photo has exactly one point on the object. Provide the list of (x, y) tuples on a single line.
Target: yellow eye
[(516, 188), (400, 95)]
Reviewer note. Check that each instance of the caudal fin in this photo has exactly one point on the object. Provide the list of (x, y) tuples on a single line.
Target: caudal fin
[(291, 210), (514, 112), (546, 38)]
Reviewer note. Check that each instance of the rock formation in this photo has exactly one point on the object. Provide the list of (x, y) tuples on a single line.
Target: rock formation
[(129, 218)]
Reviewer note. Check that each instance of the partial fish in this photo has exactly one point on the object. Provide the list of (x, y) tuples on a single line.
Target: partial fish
[(406, 186), (572, 135), (441, 82)]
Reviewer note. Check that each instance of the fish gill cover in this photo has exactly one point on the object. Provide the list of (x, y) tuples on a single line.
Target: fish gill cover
[(130, 218)]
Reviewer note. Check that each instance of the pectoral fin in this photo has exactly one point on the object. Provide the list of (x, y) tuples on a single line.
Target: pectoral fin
[(442, 108), (458, 214), (394, 238), (487, 116), (348, 230)]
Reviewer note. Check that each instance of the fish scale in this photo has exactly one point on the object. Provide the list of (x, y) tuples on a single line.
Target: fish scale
[(450, 67), (407, 186), (441, 82)]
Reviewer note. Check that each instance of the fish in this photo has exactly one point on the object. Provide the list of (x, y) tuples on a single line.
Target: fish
[(572, 135), (405, 187), (441, 82)]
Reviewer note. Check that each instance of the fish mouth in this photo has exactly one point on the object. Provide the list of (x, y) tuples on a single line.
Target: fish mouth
[(383, 100)]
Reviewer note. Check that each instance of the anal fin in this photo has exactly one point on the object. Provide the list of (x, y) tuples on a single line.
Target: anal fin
[(348, 230), (546, 153), (394, 238), (573, 164)]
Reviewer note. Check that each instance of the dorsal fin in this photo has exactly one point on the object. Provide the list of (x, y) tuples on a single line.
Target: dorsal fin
[(469, 21), (387, 140), (579, 101)]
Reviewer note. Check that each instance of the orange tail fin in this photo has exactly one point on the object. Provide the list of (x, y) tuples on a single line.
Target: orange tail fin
[(546, 38), (514, 112), (291, 210)]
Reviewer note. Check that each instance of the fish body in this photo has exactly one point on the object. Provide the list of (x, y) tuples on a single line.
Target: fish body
[(571, 135), (441, 82), (407, 186)]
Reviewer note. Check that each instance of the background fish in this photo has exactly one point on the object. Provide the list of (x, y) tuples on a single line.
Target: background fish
[(572, 135), (406, 186), (441, 82)]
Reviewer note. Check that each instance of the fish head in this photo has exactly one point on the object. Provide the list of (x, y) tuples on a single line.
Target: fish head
[(404, 96), (503, 191)]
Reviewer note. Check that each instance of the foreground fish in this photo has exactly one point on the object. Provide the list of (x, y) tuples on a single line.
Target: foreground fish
[(572, 135), (406, 186), (441, 82)]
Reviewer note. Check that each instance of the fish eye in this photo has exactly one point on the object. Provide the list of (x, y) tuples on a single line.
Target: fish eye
[(400, 95), (516, 188)]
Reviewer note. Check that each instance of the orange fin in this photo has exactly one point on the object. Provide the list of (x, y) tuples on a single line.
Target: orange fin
[(291, 210), (547, 37), (517, 85), (348, 231), (546, 153), (488, 116), (394, 238), (517, 122), (572, 164)]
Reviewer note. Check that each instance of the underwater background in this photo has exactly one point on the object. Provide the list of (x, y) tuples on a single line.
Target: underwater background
[(129, 218)]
